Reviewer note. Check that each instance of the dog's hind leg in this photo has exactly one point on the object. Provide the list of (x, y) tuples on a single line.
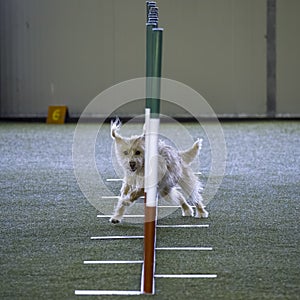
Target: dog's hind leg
[(191, 186), (201, 212), (173, 195), (190, 154)]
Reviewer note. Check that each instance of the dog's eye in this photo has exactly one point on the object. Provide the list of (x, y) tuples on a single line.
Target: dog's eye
[(137, 152), (125, 152)]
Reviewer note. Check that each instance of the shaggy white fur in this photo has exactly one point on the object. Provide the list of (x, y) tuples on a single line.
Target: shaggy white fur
[(173, 169)]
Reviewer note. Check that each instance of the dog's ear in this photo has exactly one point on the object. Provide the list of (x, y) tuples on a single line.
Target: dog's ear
[(142, 136), (144, 129), (114, 128)]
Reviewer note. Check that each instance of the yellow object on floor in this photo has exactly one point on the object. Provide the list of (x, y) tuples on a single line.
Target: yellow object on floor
[(57, 114)]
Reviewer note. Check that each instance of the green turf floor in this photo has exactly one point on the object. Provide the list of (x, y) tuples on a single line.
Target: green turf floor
[(46, 223)]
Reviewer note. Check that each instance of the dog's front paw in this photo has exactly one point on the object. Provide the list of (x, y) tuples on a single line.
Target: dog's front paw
[(114, 220), (127, 203)]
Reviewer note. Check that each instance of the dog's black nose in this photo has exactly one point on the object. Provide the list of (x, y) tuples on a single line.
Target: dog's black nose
[(132, 165)]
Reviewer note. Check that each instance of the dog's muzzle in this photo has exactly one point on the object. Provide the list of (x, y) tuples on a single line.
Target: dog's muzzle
[(132, 165)]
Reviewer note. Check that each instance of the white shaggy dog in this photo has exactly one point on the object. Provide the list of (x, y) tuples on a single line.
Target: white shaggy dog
[(173, 169)]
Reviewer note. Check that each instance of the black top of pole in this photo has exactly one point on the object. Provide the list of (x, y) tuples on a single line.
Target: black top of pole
[(149, 5), (153, 21)]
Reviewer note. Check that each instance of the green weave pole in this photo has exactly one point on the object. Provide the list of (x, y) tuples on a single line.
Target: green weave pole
[(149, 62), (153, 74), (154, 105), (152, 22)]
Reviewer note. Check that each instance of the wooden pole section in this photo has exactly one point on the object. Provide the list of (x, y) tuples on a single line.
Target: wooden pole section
[(153, 74)]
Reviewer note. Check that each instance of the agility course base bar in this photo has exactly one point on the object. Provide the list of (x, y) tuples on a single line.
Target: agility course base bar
[(107, 293), (125, 216), (104, 262), (185, 276), (183, 226), (185, 248), (114, 179), (117, 237)]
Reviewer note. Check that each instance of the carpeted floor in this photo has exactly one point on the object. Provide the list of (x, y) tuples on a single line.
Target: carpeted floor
[(46, 223)]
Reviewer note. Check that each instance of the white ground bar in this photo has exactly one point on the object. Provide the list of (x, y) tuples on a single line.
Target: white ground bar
[(186, 248), (142, 197), (185, 276), (87, 262), (170, 206), (115, 237), (106, 293), (114, 179), (120, 179), (183, 226), (126, 216), (117, 197)]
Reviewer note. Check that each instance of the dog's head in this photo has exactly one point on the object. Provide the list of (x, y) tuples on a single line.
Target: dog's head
[(129, 151)]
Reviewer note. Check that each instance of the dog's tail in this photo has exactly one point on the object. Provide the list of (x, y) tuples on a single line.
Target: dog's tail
[(115, 125), (190, 154)]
